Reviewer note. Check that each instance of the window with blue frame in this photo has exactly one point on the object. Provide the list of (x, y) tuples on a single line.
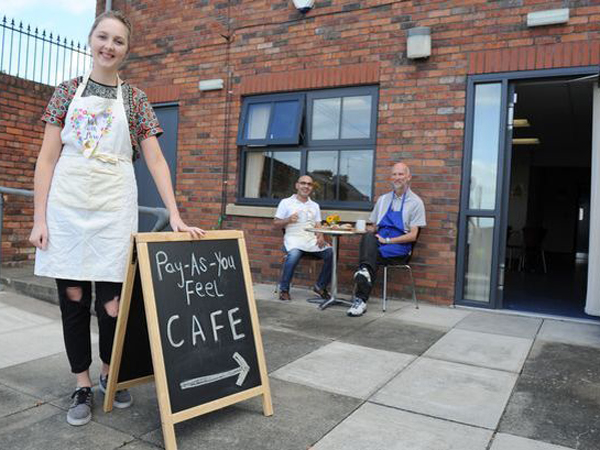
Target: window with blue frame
[(272, 120), (328, 134)]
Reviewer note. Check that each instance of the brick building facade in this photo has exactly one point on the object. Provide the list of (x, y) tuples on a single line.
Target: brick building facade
[(21, 131), (262, 47)]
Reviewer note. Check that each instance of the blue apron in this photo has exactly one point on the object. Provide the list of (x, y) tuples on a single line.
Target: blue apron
[(392, 226)]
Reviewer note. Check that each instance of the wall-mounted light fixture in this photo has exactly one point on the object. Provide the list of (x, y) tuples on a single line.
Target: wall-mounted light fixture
[(548, 17), (418, 43), (211, 85), (521, 123), (526, 141), (304, 6)]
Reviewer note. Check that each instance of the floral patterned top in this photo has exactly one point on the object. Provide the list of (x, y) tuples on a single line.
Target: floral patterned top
[(142, 119)]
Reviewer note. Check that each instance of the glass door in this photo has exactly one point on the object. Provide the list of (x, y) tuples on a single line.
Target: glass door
[(481, 241)]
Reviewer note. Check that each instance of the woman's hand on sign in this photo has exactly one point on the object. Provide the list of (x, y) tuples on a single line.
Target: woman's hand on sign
[(178, 225), (39, 236)]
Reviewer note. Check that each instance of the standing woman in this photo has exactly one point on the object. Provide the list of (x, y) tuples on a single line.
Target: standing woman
[(86, 199)]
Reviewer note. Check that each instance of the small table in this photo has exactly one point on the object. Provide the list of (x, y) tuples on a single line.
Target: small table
[(335, 234)]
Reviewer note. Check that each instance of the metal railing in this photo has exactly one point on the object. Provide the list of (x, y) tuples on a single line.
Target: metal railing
[(162, 215), (37, 56)]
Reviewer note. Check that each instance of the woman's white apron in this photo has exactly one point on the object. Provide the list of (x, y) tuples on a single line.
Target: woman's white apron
[(92, 204)]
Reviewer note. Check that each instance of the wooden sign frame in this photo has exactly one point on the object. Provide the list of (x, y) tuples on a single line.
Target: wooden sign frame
[(139, 255)]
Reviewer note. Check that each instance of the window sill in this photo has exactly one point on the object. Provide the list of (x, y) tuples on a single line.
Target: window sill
[(269, 212)]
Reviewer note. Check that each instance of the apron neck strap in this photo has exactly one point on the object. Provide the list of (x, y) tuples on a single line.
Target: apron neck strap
[(84, 83), (402, 202)]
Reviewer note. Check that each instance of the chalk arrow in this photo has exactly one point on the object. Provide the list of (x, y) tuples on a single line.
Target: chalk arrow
[(241, 371)]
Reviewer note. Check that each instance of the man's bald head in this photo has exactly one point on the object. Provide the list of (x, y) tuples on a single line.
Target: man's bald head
[(400, 177)]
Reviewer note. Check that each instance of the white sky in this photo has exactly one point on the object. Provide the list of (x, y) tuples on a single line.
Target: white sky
[(71, 19)]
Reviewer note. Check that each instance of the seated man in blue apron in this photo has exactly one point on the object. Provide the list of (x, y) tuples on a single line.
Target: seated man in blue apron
[(398, 215), (295, 214)]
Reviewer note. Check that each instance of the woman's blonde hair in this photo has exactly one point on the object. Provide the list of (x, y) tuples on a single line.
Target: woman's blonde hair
[(113, 14)]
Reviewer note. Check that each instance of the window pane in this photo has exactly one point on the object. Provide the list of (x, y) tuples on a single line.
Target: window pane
[(480, 237), (257, 174), (322, 167), (356, 175), (326, 118), (258, 120), (356, 117), (286, 170), (285, 119), (486, 136)]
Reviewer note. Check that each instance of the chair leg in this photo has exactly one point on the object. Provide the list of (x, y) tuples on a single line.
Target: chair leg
[(544, 261), (412, 282), (385, 269)]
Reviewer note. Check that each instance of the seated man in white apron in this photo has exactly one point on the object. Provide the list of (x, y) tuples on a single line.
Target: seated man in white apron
[(295, 214), (398, 216)]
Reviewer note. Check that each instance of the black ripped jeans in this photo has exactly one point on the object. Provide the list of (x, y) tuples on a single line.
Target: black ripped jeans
[(76, 321)]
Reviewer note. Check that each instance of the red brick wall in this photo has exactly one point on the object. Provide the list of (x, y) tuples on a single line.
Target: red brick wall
[(21, 105), (268, 46)]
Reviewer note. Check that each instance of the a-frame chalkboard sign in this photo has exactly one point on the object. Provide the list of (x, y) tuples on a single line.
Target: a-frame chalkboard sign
[(188, 321)]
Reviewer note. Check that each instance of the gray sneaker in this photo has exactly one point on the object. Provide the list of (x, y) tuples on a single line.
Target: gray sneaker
[(80, 411), (358, 308), (122, 399)]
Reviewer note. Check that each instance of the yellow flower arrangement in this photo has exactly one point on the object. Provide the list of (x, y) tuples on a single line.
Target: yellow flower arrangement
[(332, 219)]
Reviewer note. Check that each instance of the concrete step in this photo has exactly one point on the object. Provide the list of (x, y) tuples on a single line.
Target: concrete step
[(22, 281)]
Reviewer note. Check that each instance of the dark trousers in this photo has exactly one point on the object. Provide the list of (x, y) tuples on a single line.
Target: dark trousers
[(369, 257), (76, 321)]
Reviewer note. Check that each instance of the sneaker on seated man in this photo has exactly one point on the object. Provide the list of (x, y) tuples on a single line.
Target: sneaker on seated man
[(398, 216), (295, 214)]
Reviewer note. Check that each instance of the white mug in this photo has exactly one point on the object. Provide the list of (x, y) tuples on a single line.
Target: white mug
[(361, 225)]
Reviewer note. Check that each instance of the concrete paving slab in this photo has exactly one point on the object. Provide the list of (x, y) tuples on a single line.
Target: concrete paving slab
[(395, 336), (301, 417), (24, 345), (482, 349), (142, 417), (440, 316), (466, 394), (507, 442), (46, 428), (140, 445), (557, 398), (265, 292), (379, 427), (47, 378), (345, 369), (29, 304), (310, 322), (282, 348), (12, 319), (13, 401), (570, 333), (505, 324)]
